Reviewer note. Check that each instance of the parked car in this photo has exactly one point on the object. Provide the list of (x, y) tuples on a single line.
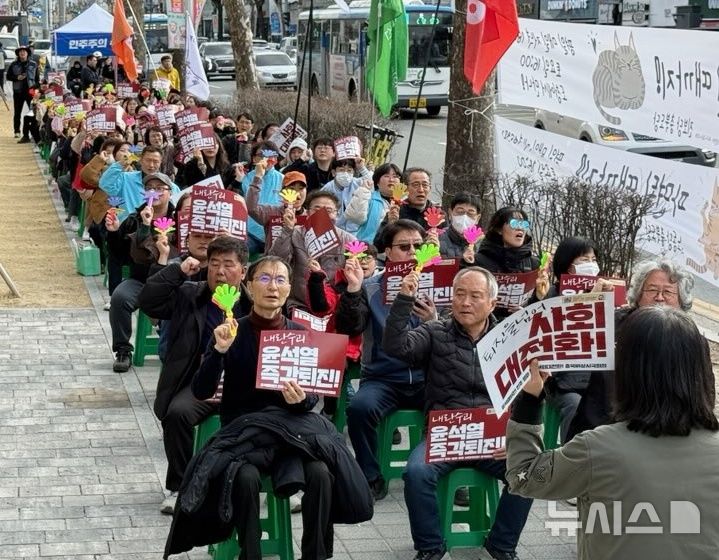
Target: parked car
[(9, 44), (623, 140), (43, 46), (260, 44), (217, 59), (275, 69)]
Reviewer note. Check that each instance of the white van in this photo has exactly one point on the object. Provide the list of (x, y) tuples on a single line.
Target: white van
[(9, 43)]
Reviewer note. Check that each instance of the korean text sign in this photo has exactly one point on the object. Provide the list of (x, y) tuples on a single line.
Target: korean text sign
[(348, 147), (310, 321), (196, 136), (515, 288), (284, 136), (435, 281), (101, 120), (193, 115), (465, 434), (215, 209), (562, 333), (315, 360), (320, 234), (273, 228), (570, 284)]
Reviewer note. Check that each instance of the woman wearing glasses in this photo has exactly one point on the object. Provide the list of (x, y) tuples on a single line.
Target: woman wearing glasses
[(506, 248)]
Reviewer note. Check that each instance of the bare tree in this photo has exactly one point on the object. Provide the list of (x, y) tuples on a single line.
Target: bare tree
[(241, 38)]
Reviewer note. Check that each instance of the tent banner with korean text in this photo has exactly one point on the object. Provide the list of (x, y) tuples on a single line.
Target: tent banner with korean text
[(683, 223), (562, 333), (466, 434), (199, 136), (315, 360), (320, 234), (662, 83), (435, 281), (215, 210), (515, 288), (570, 284), (312, 322)]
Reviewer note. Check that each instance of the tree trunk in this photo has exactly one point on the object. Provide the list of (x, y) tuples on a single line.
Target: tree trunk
[(241, 38), (469, 155)]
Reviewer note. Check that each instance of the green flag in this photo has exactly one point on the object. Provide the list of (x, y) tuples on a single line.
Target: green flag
[(387, 55)]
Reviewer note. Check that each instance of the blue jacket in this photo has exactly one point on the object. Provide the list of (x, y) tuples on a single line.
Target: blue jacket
[(269, 194), (366, 313)]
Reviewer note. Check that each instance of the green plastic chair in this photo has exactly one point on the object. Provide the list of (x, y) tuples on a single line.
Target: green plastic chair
[(352, 371), (483, 503), (146, 341), (392, 461), (277, 525), (552, 420)]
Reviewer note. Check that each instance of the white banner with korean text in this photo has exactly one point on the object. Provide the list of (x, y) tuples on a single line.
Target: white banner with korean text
[(659, 82), (685, 224)]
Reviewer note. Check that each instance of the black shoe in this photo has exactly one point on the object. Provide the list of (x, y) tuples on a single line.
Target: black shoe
[(499, 555), (436, 554), (24, 140), (461, 497), (378, 488), (396, 437), (123, 359)]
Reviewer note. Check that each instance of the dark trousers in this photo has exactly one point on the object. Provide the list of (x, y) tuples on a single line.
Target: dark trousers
[(374, 401), (420, 495), (19, 99), (30, 128), (184, 412), (123, 304), (114, 272), (318, 532)]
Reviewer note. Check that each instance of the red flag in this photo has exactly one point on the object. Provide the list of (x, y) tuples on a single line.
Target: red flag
[(492, 26), (122, 41)]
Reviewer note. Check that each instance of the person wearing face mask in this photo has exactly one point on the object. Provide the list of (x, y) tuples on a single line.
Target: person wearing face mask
[(344, 185), (370, 204), (464, 211)]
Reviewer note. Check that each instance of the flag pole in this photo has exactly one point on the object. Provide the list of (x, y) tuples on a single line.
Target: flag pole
[(302, 74), (140, 25), (374, 75), (309, 72), (421, 84)]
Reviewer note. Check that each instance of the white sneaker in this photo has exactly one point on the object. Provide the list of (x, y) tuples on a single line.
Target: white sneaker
[(296, 502), (106, 307), (168, 504)]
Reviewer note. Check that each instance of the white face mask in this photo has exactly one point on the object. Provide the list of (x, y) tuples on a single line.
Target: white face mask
[(460, 223), (343, 178), (586, 269)]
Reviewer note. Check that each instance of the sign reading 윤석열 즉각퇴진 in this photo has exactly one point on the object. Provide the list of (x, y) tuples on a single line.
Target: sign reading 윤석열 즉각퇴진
[(634, 79), (562, 333), (683, 223), (465, 434)]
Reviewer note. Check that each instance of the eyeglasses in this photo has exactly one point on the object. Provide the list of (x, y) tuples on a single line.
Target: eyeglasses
[(265, 280), (368, 258), (407, 246), (459, 212), (329, 209), (520, 224), (654, 292), (420, 185)]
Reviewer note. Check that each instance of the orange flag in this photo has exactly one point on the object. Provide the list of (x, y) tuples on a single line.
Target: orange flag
[(122, 41)]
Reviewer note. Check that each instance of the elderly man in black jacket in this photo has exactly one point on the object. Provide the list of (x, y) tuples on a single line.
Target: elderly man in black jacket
[(170, 295), (23, 75), (453, 380)]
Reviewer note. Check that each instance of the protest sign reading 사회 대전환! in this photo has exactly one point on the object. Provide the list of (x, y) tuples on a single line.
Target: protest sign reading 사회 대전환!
[(466, 434), (570, 284), (315, 360), (283, 136), (101, 120), (310, 321), (216, 209), (562, 333), (515, 288), (320, 234), (631, 79), (435, 281), (196, 137)]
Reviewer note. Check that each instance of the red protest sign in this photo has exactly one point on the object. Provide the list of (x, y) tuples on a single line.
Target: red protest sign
[(465, 434), (315, 360), (515, 288), (273, 227), (435, 281), (56, 78), (126, 90), (101, 120), (73, 107), (570, 284), (348, 147), (193, 115), (196, 136), (183, 229), (312, 322), (320, 234), (563, 333), (145, 120), (165, 116), (216, 209), (55, 93)]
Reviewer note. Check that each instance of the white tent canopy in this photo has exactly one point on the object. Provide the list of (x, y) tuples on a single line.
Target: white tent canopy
[(89, 32)]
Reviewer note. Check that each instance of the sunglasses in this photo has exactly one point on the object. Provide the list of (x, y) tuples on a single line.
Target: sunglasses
[(407, 246), (519, 224)]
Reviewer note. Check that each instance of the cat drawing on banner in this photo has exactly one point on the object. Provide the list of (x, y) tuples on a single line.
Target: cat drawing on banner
[(710, 237), (618, 80)]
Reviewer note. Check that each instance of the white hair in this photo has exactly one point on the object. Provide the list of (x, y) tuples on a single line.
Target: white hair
[(677, 274), (491, 281)]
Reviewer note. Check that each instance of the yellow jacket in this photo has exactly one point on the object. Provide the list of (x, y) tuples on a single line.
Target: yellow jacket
[(172, 75)]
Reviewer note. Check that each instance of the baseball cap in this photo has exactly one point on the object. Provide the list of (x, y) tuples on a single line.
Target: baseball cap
[(97, 54), (159, 177), (294, 177)]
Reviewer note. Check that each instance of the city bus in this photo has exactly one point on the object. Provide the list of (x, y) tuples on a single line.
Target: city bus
[(339, 53), (156, 36)]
